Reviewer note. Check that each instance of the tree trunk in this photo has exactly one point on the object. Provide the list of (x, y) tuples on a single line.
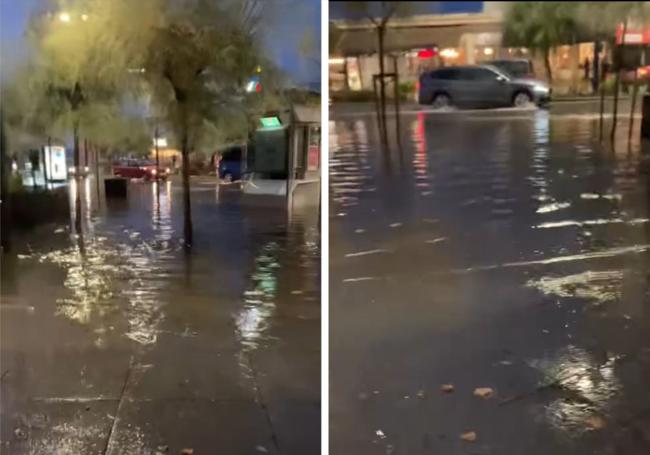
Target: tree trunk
[(45, 160), (617, 83), (5, 197), (635, 90), (602, 104), (382, 86), (155, 144), (547, 65), (185, 149), (75, 145), (76, 154), (97, 176), (86, 153)]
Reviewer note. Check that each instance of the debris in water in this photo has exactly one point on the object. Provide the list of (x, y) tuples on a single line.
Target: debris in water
[(296, 292), (483, 392), (163, 449), (437, 240), (261, 449), (596, 423), (447, 388), (20, 433), (420, 393), (380, 434), (359, 231), (468, 436), (187, 452), (394, 225)]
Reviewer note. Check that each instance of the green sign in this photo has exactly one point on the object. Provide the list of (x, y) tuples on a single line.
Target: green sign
[(270, 122)]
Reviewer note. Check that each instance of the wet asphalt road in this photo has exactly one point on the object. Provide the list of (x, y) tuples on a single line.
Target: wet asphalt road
[(499, 249), (117, 342)]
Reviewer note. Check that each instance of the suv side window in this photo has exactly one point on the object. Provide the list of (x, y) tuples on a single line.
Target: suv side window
[(446, 74), (233, 154), (482, 75)]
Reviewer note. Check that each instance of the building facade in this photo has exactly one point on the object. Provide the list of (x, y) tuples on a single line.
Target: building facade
[(447, 33)]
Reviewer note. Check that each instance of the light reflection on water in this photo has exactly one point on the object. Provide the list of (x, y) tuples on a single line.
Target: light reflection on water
[(252, 320), (588, 384), (104, 273)]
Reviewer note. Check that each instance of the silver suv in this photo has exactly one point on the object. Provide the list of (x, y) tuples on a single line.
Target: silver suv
[(479, 86)]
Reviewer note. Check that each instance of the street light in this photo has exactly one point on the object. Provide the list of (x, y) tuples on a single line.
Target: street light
[(64, 17)]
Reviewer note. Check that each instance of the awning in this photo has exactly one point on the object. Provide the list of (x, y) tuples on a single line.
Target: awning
[(364, 41), (306, 114)]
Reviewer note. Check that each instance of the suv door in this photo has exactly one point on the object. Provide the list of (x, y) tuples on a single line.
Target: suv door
[(463, 87), (487, 88)]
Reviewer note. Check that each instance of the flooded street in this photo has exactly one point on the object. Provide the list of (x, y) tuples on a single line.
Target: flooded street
[(504, 254), (117, 341)]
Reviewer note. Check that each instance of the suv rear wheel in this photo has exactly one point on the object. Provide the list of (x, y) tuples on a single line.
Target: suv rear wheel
[(440, 101)]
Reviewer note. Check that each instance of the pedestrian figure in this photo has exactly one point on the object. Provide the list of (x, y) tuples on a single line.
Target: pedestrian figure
[(586, 67)]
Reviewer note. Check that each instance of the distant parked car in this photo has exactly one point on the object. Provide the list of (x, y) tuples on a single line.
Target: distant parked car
[(139, 169), (230, 165), (479, 86), (517, 68)]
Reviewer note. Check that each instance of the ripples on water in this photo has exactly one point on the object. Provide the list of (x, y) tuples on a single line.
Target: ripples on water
[(530, 195)]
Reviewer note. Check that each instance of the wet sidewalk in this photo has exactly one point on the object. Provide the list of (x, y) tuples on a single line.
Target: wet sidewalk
[(500, 252), (118, 342)]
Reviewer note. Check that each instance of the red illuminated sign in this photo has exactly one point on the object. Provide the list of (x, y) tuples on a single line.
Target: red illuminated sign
[(427, 53), (632, 35)]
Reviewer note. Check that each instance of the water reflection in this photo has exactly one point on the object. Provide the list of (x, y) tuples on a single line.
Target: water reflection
[(588, 385), (252, 319), (554, 222), (115, 285)]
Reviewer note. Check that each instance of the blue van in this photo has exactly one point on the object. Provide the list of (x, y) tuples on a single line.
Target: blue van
[(231, 164)]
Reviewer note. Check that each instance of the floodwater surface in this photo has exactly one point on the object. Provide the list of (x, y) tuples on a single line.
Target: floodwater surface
[(505, 251), (116, 340)]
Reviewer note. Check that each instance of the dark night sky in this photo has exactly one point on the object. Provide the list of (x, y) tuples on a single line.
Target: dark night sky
[(282, 42)]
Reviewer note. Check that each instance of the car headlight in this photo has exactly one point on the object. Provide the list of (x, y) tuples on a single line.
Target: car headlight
[(86, 168), (540, 88), (167, 170), (154, 172), (71, 170)]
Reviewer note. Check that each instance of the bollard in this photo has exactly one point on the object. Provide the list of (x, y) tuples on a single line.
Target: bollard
[(115, 187), (645, 117)]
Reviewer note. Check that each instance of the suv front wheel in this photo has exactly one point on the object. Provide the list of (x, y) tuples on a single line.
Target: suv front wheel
[(521, 99)]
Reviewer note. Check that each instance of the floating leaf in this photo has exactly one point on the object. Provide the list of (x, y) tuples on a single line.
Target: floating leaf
[(483, 392), (469, 436)]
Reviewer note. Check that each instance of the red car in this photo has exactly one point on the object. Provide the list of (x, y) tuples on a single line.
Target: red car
[(139, 169)]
